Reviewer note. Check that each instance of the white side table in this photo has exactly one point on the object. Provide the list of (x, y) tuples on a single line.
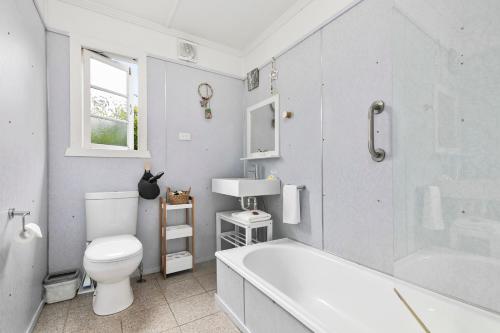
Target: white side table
[(234, 237)]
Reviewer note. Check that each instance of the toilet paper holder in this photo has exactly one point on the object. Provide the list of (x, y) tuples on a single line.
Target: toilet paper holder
[(12, 212)]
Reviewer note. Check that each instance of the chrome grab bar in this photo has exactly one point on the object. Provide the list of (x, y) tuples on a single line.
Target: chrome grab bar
[(377, 154)]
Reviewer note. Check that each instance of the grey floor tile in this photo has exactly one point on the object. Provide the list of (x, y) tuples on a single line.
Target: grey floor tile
[(216, 323), (56, 326), (83, 319), (206, 267), (183, 289), (83, 300), (53, 317), (150, 282), (152, 320), (144, 299), (157, 275), (173, 330), (208, 281), (150, 311), (174, 278), (193, 308), (149, 298)]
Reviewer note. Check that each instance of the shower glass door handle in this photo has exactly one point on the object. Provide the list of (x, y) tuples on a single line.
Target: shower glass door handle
[(377, 154)]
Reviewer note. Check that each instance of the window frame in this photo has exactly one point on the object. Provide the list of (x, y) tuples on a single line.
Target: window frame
[(80, 118), (87, 113)]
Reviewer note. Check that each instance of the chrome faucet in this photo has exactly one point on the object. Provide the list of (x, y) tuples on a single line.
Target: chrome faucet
[(255, 171), (248, 203)]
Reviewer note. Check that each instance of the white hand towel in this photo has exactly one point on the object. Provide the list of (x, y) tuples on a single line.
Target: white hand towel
[(291, 204), (432, 215)]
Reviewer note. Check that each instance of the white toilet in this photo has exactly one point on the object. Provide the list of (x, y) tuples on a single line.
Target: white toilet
[(114, 253)]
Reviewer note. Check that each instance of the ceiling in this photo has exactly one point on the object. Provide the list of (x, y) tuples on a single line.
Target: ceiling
[(236, 24)]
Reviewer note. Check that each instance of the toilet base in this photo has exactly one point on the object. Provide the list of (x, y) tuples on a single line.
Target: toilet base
[(110, 298)]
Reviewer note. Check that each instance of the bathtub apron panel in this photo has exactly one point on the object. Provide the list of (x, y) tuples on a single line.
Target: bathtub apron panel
[(230, 291), (266, 316)]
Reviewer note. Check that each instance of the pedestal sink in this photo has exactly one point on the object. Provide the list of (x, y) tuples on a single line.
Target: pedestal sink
[(246, 187)]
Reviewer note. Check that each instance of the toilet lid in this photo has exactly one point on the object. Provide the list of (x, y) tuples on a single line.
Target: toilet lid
[(114, 248)]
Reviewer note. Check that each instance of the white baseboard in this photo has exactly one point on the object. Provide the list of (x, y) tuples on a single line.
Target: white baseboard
[(36, 315), (241, 326)]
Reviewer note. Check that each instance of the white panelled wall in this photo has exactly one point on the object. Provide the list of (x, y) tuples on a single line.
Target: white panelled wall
[(173, 107), (23, 163), (334, 59)]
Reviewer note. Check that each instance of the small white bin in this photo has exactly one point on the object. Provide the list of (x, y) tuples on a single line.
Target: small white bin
[(61, 286)]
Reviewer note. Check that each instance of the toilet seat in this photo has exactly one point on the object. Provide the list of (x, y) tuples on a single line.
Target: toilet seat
[(113, 249), (110, 261)]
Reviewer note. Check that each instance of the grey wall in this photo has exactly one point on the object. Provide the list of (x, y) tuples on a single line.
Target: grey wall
[(374, 213), (173, 106), (358, 217), (216, 146), (299, 86), (328, 81), (23, 166)]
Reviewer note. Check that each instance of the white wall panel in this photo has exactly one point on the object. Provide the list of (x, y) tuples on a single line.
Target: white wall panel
[(358, 191), (23, 161), (173, 107), (299, 86)]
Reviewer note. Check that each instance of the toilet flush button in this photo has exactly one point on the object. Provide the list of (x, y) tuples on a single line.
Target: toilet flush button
[(184, 136)]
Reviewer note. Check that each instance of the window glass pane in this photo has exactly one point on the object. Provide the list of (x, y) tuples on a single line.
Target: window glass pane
[(108, 132), (108, 77), (108, 105)]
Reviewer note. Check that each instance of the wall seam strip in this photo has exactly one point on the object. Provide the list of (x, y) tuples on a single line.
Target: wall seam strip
[(322, 139)]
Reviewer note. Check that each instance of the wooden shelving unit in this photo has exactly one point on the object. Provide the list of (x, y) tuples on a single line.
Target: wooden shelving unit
[(183, 260)]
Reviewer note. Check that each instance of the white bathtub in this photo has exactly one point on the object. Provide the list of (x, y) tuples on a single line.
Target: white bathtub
[(462, 275), (328, 294)]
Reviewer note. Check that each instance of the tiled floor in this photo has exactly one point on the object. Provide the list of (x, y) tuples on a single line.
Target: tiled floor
[(182, 303)]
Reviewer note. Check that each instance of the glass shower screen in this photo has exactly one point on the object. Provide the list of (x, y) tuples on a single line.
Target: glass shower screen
[(446, 162)]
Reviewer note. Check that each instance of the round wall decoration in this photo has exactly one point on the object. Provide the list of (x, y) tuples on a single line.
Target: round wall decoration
[(206, 92)]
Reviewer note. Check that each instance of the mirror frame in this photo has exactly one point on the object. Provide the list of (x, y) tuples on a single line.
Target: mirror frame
[(268, 154)]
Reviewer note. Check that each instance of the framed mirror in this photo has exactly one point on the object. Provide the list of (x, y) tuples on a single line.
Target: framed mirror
[(263, 124)]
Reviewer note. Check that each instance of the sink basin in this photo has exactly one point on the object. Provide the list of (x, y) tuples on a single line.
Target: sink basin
[(246, 187)]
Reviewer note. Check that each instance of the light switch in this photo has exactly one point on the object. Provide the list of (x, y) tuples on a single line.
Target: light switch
[(184, 136)]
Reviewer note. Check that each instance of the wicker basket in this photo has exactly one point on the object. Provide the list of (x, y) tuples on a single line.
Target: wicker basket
[(178, 197)]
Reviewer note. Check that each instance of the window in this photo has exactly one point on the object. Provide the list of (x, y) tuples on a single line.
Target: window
[(109, 102), (108, 107)]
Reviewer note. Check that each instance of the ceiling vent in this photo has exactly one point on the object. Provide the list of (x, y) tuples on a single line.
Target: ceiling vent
[(187, 51)]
